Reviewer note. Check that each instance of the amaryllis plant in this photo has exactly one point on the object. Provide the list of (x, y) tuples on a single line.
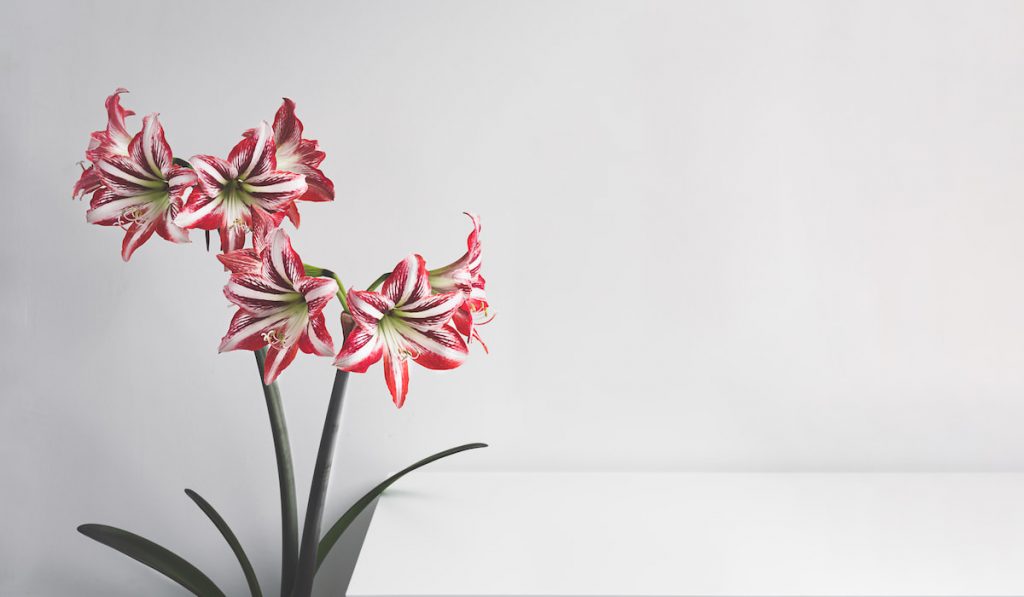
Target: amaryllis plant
[(412, 314)]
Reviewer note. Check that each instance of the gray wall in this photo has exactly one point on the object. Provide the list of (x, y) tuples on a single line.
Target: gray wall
[(718, 237)]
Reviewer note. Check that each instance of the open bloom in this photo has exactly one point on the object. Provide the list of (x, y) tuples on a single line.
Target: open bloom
[(229, 190), (279, 306), (401, 322), (298, 155), (113, 140), (464, 275), (142, 190)]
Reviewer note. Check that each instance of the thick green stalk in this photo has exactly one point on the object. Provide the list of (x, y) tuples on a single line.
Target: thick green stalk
[(318, 490), (285, 479)]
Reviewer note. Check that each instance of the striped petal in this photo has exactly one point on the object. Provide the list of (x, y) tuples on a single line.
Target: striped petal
[(396, 374), (246, 331), (242, 261), (278, 358), (116, 138), (368, 307), (281, 264), (136, 235), (149, 149), (213, 173), (298, 155), (254, 155), (125, 177), (430, 312), (201, 211), (408, 282), (362, 348), (316, 339), (317, 292), (255, 294), (275, 190), (89, 182), (107, 209), (442, 348)]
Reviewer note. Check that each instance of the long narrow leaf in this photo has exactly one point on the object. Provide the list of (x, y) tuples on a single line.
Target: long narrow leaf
[(357, 508), (229, 536), (156, 557)]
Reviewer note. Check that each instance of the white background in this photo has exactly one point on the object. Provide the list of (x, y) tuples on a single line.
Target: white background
[(728, 236)]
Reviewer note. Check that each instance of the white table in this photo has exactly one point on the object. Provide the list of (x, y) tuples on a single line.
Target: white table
[(518, 534)]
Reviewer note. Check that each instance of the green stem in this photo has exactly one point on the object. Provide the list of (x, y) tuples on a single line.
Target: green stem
[(378, 281), (285, 478), (318, 490)]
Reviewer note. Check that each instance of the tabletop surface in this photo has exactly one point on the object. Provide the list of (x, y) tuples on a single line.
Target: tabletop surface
[(699, 534)]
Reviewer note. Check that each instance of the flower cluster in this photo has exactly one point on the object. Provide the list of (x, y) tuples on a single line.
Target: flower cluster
[(135, 182)]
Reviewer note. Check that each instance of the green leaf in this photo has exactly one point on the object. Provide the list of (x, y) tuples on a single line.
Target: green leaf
[(181, 162), (229, 536), (357, 508), (156, 557)]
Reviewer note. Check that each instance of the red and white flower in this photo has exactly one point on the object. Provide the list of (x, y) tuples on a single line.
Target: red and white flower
[(298, 155), (464, 275), (403, 321), (229, 190), (114, 140), (140, 190), (279, 306)]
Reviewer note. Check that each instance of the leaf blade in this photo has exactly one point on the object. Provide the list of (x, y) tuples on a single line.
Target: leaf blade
[(158, 558), (229, 536), (338, 528)]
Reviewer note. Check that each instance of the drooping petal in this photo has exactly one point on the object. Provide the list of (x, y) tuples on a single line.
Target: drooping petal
[(396, 374), (368, 307), (442, 348), (254, 155), (89, 182), (232, 237), (316, 339), (430, 312), (136, 235), (166, 227), (408, 282), (281, 264), (246, 331), (150, 149), (362, 348), (466, 325), (278, 358), (107, 209), (242, 261), (262, 225), (317, 292)]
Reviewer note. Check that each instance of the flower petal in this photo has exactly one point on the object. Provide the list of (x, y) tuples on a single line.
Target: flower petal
[(281, 264), (125, 177), (317, 292), (442, 348), (368, 307), (277, 360), (408, 282), (275, 190), (213, 173), (362, 348), (242, 261), (137, 234), (89, 182), (256, 294), (201, 211), (116, 138), (150, 149), (316, 339), (396, 374), (246, 331), (431, 312), (254, 155)]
